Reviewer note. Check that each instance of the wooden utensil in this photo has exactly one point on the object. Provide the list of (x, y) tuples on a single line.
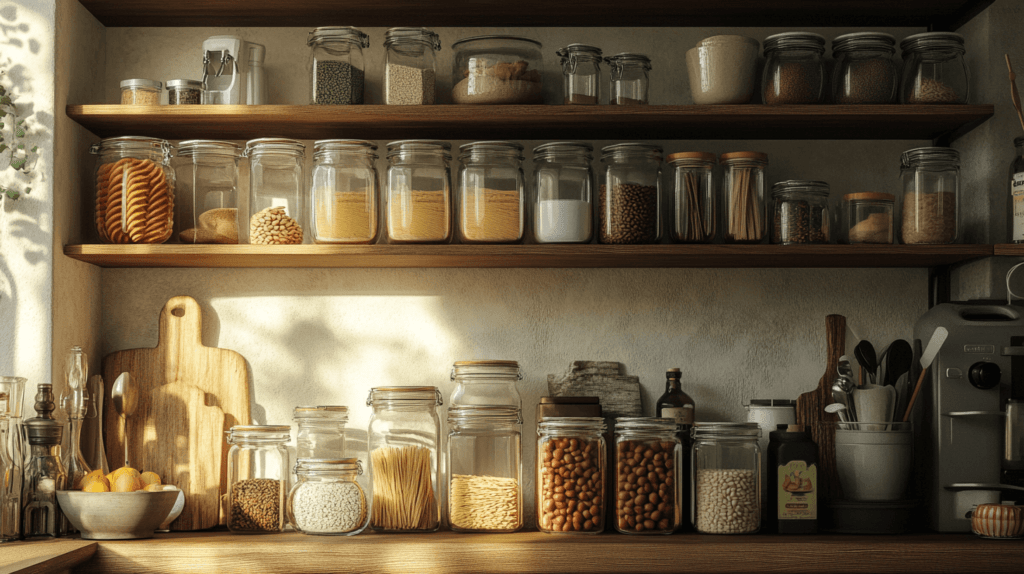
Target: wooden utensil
[(810, 406), (930, 351), (1014, 94)]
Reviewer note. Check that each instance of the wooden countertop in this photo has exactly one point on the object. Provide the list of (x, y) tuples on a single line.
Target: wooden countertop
[(42, 556)]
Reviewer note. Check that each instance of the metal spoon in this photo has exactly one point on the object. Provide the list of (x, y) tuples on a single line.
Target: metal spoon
[(123, 395), (841, 389), (844, 367), (838, 409)]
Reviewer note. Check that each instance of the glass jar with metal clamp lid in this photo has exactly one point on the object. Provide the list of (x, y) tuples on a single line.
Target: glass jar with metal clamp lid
[(410, 66), (326, 499), (207, 175), (257, 478), (418, 200), (485, 469), (134, 190), (630, 79), (581, 72), (337, 72), (277, 187)]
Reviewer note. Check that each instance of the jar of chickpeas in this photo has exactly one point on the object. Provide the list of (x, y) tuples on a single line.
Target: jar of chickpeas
[(648, 489), (570, 475)]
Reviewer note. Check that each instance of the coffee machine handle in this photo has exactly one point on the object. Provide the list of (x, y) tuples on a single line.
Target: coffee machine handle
[(983, 486)]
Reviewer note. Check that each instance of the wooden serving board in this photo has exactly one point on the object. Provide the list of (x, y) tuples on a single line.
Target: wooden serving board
[(179, 358), (810, 408)]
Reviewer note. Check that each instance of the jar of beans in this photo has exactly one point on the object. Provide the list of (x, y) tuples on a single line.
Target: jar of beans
[(744, 197), (693, 196), (630, 195), (864, 71), (418, 196), (581, 73), (257, 478), (321, 432), (931, 196), (345, 191), (630, 76), (276, 191), (801, 213), (491, 193), (934, 69), (571, 475), (337, 71), (648, 485), (794, 70), (867, 217), (726, 472), (485, 470), (326, 499)]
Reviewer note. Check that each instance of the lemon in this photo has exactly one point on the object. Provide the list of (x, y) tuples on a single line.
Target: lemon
[(97, 485), (154, 488), (149, 478), (115, 475), (126, 482), (91, 476)]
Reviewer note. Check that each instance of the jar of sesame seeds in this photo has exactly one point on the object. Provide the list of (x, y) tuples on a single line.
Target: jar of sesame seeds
[(410, 66)]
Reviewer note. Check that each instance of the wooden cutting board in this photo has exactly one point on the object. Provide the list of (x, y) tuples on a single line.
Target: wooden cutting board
[(180, 359), (810, 408)]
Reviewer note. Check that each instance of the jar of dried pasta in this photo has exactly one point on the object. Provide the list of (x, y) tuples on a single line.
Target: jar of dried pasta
[(134, 190)]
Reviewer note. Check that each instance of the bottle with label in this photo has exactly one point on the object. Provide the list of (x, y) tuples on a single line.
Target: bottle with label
[(792, 481), (1015, 213), (675, 404)]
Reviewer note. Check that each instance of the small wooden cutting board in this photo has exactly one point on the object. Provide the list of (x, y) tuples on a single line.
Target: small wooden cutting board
[(810, 408)]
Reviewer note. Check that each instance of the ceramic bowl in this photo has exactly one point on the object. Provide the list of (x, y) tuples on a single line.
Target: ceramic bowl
[(998, 521), (874, 466), (116, 515), (723, 70), (179, 505)]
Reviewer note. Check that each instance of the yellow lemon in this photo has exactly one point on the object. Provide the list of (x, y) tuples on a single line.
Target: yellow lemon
[(149, 478), (97, 485), (124, 470), (126, 483), (91, 476), (154, 488)]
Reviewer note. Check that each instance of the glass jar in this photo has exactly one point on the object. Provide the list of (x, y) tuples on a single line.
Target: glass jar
[(693, 189), (630, 200), (12, 456), (321, 432), (141, 92), (490, 383), (571, 475), (418, 203), (726, 478), (864, 71), (410, 66), (485, 468), (276, 189), (744, 201), (581, 73), (497, 70), (345, 191), (1015, 209), (934, 69), (630, 79), (44, 472), (794, 70), (326, 499), (134, 176), (257, 478), (801, 212), (867, 218), (207, 175), (564, 184), (491, 193), (931, 196), (337, 73), (404, 442), (184, 92), (649, 486)]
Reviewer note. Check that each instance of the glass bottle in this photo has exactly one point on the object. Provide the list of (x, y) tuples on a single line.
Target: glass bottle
[(1015, 212), (276, 191), (648, 448), (675, 404), (744, 197), (326, 499), (75, 402), (630, 199), (418, 202), (794, 69), (485, 469), (321, 432), (491, 383), (693, 196), (801, 213), (135, 191), (12, 445), (864, 71), (410, 66), (581, 72), (565, 445), (726, 478), (257, 478), (630, 79), (564, 184), (44, 472), (207, 201), (931, 196), (337, 72), (491, 193), (346, 191), (934, 69)]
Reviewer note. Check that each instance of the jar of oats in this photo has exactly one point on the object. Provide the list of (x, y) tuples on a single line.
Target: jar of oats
[(726, 465)]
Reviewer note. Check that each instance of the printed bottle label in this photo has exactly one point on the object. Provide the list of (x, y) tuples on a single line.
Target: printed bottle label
[(798, 485), (1017, 193), (683, 415)]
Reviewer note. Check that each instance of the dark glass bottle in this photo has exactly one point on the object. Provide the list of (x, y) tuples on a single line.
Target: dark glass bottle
[(792, 481), (675, 404)]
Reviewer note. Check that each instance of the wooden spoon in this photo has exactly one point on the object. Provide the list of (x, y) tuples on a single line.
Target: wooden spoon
[(1014, 94)]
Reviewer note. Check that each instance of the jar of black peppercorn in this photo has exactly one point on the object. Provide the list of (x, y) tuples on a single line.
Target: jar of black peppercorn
[(794, 72), (801, 212), (630, 197), (336, 65), (865, 72)]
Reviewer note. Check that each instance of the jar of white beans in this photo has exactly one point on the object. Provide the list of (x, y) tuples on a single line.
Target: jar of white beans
[(726, 478)]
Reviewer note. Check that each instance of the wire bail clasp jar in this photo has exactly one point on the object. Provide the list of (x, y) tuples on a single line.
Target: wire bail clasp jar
[(410, 66), (326, 499), (581, 73), (336, 65), (630, 79), (931, 196)]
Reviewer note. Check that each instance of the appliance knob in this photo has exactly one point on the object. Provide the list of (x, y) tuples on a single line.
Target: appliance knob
[(984, 375)]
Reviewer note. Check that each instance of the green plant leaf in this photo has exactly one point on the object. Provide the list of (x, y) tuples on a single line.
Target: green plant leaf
[(18, 163), (5, 101), (12, 193), (3, 148), (28, 190), (21, 146), (19, 133), (34, 149)]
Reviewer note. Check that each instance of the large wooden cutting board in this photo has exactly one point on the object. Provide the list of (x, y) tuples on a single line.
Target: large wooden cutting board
[(810, 408), (181, 359)]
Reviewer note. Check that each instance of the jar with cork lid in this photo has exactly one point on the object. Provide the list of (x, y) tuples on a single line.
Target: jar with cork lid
[(630, 196), (726, 478), (693, 194), (491, 193), (794, 70), (418, 199), (581, 73), (744, 197), (346, 191), (867, 217), (648, 462), (571, 475)]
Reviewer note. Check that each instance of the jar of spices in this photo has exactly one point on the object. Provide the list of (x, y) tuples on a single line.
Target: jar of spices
[(485, 469), (140, 92), (134, 190), (743, 196), (337, 72), (934, 69), (864, 71), (257, 478), (497, 70), (794, 70), (630, 199), (564, 184), (207, 176), (571, 475), (418, 203), (931, 196), (326, 499), (410, 66), (693, 189), (276, 188), (648, 462), (321, 432), (184, 92), (486, 383), (726, 483), (404, 442), (630, 79), (581, 73), (345, 191), (867, 218), (491, 192), (801, 212)]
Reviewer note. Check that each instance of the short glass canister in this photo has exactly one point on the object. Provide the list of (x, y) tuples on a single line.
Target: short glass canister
[(571, 502), (276, 190), (410, 66), (934, 69), (491, 193), (207, 197), (321, 432), (326, 499), (337, 71), (726, 478), (648, 485), (564, 183), (581, 73), (345, 191), (418, 196), (630, 197), (794, 69), (257, 478), (630, 76)]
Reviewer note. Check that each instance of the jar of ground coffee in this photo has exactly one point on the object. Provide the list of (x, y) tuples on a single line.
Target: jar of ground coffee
[(794, 71), (864, 72)]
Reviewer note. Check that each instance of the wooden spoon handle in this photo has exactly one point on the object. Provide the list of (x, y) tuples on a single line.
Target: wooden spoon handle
[(913, 397)]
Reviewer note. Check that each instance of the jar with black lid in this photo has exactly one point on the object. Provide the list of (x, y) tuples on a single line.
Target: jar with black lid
[(794, 72), (864, 71), (801, 212), (581, 72), (934, 69)]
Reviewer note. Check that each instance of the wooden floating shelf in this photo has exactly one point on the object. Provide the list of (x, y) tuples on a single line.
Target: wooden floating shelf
[(1009, 249), (526, 256), (534, 122)]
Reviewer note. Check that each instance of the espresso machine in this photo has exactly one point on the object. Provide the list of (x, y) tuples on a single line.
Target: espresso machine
[(233, 71), (968, 419)]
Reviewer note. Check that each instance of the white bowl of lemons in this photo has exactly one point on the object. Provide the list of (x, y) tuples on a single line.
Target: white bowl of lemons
[(122, 505)]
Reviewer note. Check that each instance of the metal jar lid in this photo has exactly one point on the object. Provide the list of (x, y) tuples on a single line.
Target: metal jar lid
[(184, 83), (795, 41), (348, 34), (141, 83)]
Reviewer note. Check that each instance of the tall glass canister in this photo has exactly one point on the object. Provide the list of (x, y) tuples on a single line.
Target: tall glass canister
[(563, 182), (581, 73), (485, 469), (648, 483), (630, 197), (346, 191), (207, 177), (410, 66), (276, 191), (134, 200), (694, 218), (418, 199), (491, 193), (726, 478), (630, 79), (571, 475), (337, 71), (744, 197), (12, 450), (931, 196), (257, 478)]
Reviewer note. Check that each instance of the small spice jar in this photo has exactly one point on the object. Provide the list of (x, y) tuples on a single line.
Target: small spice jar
[(410, 66), (630, 79), (693, 192), (571, 475), (326, 499), (345, 191), (206, 209), (726, 478), (867, 218), (497, 70), (864, 71), (564, 184), (485, 468), (794, 70), (337, 73), (490, 383), (257, 478), (184, 92), (276, 190), (629, 211), (140, 92), (418, 202), (648, 461), (581, 73), (801, 212), (931, 196), (491, 193), (743, 196), (934, 69), (135, 190), (321, 432)]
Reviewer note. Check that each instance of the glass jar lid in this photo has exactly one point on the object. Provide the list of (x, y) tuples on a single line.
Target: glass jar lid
[(816, 188), (412, 35), (629, 59), (321, 413), (560, 425), (645, 425), (274, 145), (879, 41), (391, 394), (795, 41), (256, 434), (348, 34), (507, 149), (484, 415), (497, 37), (939, 41), (553, 149), (726, 430), (132, 143), (744, 156), (362, 147), (184, 83), (870, 196), (622, 150), (574, 53), (192, 148), (438, 147), (141, 83), (683, 158), (930, 156), (327, 466)]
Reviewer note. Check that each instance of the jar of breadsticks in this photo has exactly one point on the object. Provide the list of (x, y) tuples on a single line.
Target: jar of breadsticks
[(134, 190)]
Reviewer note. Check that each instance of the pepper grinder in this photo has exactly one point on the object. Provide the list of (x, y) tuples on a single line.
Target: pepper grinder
[(44, 472)]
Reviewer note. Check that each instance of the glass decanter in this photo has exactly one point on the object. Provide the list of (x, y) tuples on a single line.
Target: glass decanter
[(76, 404), (44, 472), (10, 507)]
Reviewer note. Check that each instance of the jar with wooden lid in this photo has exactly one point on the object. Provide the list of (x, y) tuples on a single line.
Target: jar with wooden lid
[(648, 448), (630, 196), (581, 74), (207, 175), (321, 431), (931, 196), (345, 191), (864, 71), (326, 499), (867, 217), (693, 196), (257, 478), (141, 92), (630, 79), (801, 213), (563, 181), (744, 205), (485, 468), (486, 383), (276, 190), (794, 69), (571, 475), (491, 193), (418, 199), (934, 69), (135, 187)]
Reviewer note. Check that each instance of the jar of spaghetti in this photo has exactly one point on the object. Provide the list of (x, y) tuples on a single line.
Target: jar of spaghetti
[(491, 192), (345, 191), (485, 469), (571, 475), (134, 190), (693, 199), (417, 200)]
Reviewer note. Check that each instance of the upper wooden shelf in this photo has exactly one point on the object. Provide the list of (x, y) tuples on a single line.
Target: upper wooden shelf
[(920, 122), (1009, 249), (939, 14)]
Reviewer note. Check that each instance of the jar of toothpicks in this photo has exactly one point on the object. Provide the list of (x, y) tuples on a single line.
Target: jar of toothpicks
[(743, 197), (693, 196)]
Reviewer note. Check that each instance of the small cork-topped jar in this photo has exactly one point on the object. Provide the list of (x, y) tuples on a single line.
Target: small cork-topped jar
[(867, 218)]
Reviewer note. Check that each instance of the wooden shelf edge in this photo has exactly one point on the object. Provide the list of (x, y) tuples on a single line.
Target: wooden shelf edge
[(1009, 249)]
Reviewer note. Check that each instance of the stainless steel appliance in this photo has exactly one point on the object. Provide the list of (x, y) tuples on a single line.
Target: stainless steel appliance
[(233, 71)]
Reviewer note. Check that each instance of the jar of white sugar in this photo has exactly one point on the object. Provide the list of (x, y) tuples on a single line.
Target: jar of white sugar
[(726, 470), (564, 182), (326, 499), (410, 66)]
